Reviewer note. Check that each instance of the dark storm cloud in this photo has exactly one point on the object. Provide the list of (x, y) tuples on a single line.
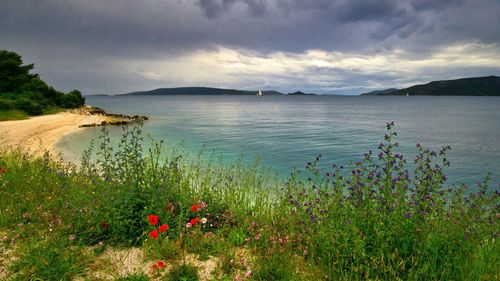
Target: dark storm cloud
[(95, 35), (433, 4), (214, 9)]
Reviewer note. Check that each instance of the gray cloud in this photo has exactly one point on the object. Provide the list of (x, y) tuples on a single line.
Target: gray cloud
[(95, 36)]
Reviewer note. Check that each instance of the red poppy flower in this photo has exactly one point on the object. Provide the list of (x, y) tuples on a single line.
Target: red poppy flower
[(3, 170), (153, 234), (194, 208), (161, 264), (153, 220), (154, 267), (163, 227), (194, 221)]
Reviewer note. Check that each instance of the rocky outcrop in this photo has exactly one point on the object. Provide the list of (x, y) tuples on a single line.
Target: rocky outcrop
[(110, 118)]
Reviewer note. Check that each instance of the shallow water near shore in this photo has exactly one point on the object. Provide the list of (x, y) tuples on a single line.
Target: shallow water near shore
[(287, 132)]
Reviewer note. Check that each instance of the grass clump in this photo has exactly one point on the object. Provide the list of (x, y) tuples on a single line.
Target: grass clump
[(183, 272), (134, 277), (373, 220)]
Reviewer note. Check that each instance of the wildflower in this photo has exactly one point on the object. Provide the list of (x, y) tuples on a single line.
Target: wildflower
[(248, 273), (153, 234), (154, 267), (203, 205), (189, 225), (3, 170), (409, 215), (194, 221), (163, 227), (161, 264), (104, 224), (257, 236), (153, 220), (194, 207), (204, 220), (169, 208), (71, 237)]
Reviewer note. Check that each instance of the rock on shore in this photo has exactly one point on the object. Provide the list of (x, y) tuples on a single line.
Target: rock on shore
[(110, 118)]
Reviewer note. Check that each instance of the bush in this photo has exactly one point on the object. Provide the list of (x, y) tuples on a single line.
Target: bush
[(73, 99), (29, 106), (6, 104)]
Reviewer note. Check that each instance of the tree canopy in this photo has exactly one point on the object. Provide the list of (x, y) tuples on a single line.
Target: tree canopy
[(22, 90)]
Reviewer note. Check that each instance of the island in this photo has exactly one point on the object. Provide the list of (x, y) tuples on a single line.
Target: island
[(476, 86), (300, 93), (200, 91)]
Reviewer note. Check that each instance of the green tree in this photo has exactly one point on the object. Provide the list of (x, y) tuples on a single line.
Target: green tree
[(73, 99), (13, 74), (21, 90)]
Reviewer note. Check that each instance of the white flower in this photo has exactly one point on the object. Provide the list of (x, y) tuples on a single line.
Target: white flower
[(204, 220)]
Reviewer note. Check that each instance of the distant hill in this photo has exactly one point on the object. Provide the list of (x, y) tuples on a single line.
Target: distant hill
[(477, 86), (299, 93), (380, 92), (204, 91)]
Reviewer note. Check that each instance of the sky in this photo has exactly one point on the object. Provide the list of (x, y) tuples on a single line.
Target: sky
[(319, 46)]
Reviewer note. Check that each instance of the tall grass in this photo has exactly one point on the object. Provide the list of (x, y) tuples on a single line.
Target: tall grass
[(373, 220)]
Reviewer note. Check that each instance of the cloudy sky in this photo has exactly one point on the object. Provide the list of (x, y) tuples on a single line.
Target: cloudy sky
[(321, 46)]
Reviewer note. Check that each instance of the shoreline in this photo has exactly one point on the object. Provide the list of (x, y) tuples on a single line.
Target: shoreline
[(40, 134)]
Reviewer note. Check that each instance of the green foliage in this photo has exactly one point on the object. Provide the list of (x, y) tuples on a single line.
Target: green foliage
[(12, 114), (375, 220), (277, 267), (183, 272), (12, 73), (29, 106), (135, 277), (27, 92), (73, 99), (48, 260), (6, 104)]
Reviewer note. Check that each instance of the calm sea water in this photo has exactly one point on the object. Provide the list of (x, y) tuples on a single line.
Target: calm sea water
[(286, 132)]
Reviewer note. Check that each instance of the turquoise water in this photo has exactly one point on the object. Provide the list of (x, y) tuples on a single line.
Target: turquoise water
[(286, 132)]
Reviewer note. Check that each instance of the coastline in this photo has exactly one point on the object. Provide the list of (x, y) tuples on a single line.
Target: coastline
[(39, 134)]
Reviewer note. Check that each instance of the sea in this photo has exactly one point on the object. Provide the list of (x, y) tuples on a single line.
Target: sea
[(283, 133)]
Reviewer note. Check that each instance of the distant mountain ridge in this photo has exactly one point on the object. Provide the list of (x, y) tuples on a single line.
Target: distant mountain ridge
[(204, 91), (300, 93), (476, 86), (380, 92)]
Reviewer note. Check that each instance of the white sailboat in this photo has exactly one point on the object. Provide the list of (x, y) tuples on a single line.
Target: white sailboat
[(259, 93)]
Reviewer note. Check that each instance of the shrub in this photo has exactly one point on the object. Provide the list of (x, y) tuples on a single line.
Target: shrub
[(29, 106), (73, 99), (6, 104)]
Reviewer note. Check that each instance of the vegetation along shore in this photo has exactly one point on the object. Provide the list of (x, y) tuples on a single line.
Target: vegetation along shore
[(38, 115), (143, 215)]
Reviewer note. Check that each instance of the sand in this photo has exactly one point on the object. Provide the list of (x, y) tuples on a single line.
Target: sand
[(40, 134)]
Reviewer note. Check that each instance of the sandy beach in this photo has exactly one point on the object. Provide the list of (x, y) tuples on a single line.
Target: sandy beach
[(41, 133)]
